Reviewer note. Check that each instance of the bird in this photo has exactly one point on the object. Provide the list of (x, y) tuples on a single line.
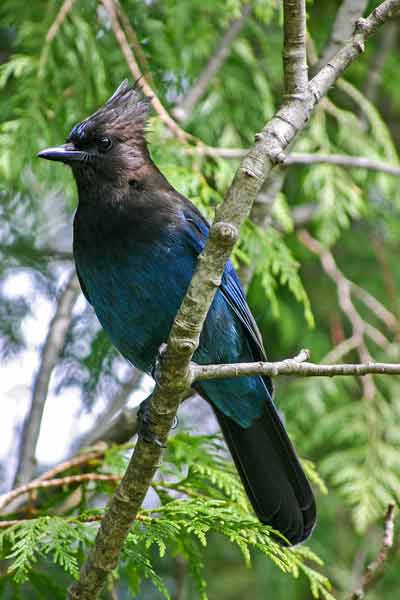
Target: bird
[(136, 241)]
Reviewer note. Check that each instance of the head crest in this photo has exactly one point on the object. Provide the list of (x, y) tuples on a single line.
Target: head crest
[(124, 113)]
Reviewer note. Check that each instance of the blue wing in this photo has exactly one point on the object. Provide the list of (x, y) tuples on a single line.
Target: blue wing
[(196, 230)]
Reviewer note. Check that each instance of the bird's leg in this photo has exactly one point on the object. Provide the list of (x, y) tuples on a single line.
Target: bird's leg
[(145, 423)]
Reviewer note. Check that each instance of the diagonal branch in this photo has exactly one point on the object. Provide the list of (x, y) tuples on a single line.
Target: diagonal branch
[(53, 346), (62, 14), (133, 66), (361, 329), (184, 109), (173, 372), (134, 42)]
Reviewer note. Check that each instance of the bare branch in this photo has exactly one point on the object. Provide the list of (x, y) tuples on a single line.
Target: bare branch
[(59, 20), (297, 158), (134, 42), (361, 329), (347, 15), (62, 14), (291, 366), (122, 40), (342, 349), (294, 49), (184, 109), (53, 346), (59, 482), (375, 569), (376, 307), (345, 286), (173, 372), (76, 461), (342, 160)]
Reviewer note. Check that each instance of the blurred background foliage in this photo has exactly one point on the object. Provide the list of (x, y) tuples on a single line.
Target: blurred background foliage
[(349, 428)]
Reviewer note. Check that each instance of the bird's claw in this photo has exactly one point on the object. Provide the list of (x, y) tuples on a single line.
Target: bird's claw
[(145, 425)]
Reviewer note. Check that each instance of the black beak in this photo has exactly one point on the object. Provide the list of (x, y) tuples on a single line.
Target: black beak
[(65, 153)]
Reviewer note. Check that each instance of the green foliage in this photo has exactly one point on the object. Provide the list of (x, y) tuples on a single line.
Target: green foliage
[(194, 502), (38, 538), (272, 262)]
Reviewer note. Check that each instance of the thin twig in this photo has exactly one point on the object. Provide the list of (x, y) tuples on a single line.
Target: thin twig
[(345, 287), (62, 14), (297, 158), (59, 482), (76, 461), (343, 160), (59, 20), (375, 569), (185, 107), (291, 366), (134, 42), (173, 373), (361, 329), (53, 346), (122, 40)]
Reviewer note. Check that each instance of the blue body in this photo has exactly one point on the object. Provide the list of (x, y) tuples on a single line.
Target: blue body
[(136, 285)]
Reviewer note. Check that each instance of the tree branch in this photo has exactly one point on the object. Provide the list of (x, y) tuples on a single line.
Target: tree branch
[(76, 461), (53, 346), (361, 329), (134, 42), (58, 482), (62, 14), (342, 160), (291, 366), (184, 109), (374, 570), (173, 372), (295, 71), (345, 287), (298, 158), (133, 66)]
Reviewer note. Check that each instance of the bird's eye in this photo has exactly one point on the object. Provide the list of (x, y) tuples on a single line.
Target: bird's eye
[(104, 144)]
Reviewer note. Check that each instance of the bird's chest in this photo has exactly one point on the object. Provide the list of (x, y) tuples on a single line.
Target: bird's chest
[(135, 287)]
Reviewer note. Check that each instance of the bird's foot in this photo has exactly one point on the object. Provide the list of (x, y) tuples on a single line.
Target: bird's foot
[(145, 424)]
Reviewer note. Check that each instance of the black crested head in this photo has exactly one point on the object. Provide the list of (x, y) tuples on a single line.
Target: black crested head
[(110, 144), (124, 115)]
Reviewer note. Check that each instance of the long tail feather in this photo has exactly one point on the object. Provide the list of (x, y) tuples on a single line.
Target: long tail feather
[(271, 473)]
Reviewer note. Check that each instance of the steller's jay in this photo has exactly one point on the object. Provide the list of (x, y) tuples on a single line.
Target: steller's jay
[(136, 243)]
